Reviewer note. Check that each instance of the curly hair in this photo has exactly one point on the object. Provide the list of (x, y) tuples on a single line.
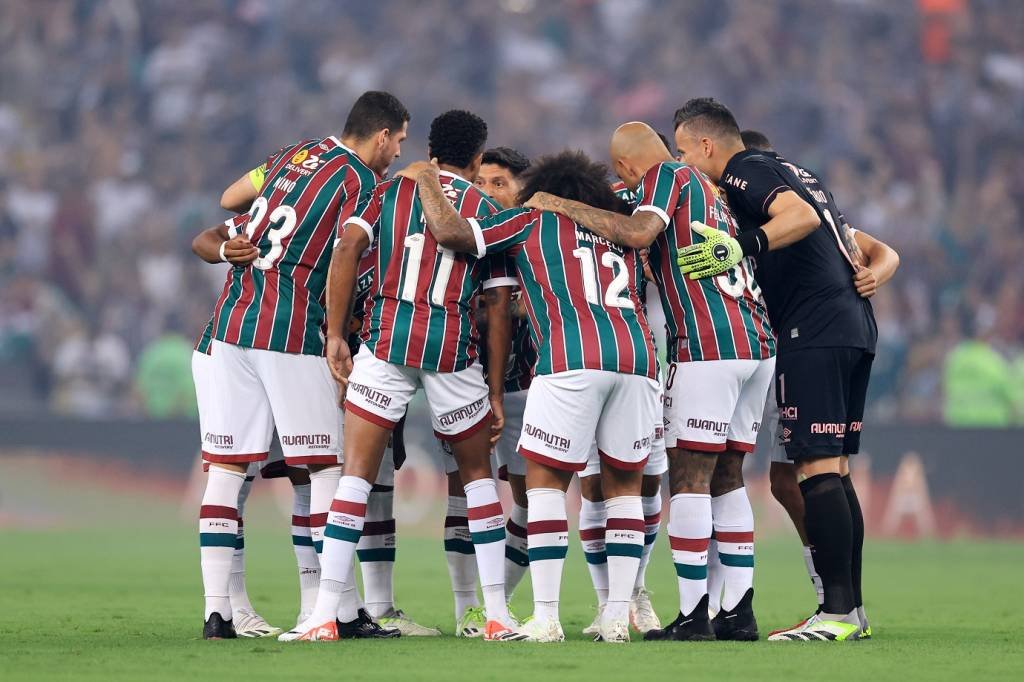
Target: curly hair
[(571, 175), (511, 159), (456, 137)]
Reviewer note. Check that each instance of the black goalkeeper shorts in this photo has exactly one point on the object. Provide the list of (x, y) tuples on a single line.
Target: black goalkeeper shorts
[(821, 394)]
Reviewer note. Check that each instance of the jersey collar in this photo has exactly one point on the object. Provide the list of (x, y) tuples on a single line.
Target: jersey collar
[(352, 153), (455, 175)]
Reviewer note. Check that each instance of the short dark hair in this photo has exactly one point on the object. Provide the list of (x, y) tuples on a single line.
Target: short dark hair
[(510, 159), (570, 175), (456, 136), (664, 141), (373, 112), (753, 139), (709, 115)]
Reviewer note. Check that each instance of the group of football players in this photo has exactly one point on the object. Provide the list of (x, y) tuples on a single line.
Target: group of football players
[(515, 294)]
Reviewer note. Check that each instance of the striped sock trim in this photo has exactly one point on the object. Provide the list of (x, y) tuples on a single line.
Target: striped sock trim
[(459, 546), (546, 553), (519, 558), (376, 554), (218, 526)]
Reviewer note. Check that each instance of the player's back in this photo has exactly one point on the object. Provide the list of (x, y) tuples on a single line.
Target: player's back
[(808, 286), (277, 303), (581, 297), (420, 312), (714, 318)]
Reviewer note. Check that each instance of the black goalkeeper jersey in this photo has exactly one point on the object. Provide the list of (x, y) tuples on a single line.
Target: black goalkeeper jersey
[(808, 286)]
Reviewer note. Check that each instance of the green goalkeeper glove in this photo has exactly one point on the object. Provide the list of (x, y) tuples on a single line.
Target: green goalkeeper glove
[(716, 254)]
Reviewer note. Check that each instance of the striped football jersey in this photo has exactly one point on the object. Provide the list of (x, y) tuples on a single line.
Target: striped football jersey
[(715, 318), (420, 309), (580, 292), (277, 303)]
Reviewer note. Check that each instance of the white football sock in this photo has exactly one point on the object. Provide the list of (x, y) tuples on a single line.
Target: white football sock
[(716, 577), (592, 519), (323, 485), (305, 554), (812, 572), (517, 558), (458, 551), (218, 533), (734, 531), (624, 544), (236, 584), (376, 551), (344, 526), (487, 529), (548, 532), (652, 523), (689, 531)]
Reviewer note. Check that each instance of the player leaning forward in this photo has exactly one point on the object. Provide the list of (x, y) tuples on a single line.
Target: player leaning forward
[(721, 351), (265, 368), (826, 333), (594, 377), (419, 332)]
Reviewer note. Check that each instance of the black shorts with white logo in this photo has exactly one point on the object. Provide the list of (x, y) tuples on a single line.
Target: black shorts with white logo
[(821, 394)]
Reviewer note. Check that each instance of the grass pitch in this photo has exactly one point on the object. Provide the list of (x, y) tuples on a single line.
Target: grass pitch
[(125, 603)]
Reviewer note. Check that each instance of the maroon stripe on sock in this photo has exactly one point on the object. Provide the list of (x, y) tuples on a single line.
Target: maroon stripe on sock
[(301, 521), (240, 524), (515, 529), (734, 537), (625, 524), (689, 544), (350, 508), (484, 512), (215, 511), (317, 520), (378, 527), (455, 521), (589, 534), (653, 519), (551, 526)]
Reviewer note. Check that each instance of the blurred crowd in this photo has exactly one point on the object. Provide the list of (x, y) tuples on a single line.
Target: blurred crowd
[(121, 121)]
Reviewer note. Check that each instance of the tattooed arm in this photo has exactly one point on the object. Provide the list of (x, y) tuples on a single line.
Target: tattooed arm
[(449, 228), (637, 231)]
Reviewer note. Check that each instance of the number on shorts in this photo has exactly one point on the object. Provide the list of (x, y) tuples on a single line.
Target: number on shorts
[(614, 296), (285, 215), (782, 389), (670, 378), (414, 245)]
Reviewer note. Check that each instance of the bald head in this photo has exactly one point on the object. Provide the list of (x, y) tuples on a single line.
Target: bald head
[(635, 148)]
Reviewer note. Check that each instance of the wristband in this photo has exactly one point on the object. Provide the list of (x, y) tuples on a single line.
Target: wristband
[(753, 242), (222, 256)]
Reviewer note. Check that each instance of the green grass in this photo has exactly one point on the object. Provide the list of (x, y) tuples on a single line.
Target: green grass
[(125, 603)]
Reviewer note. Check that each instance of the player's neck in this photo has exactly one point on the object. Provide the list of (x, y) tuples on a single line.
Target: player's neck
[(461, 172), (363, 148)]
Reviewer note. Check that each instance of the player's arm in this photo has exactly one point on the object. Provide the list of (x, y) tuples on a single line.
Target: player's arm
[(498, 300), (238, 197), (219, 245), (450, 229), (341, 289), (635, 231), (880, 264)]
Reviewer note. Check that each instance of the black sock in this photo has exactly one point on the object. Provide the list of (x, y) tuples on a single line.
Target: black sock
[(830, 532), (857, 516)]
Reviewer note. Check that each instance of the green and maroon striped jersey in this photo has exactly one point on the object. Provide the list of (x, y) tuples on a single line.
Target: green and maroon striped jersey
[(580, 292), (715, 318), (625, 193), (522, 355), (420, 309), (277, 303), (205, 339)]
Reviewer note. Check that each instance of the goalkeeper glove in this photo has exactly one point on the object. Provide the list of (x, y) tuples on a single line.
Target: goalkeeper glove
[(719, 252)]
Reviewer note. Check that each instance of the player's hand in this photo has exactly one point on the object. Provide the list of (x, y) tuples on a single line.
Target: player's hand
[(339, 359), (716, 254), (498, 423), (645, 261), (542, 201), (865, 281), (413, 170), (240, 251)]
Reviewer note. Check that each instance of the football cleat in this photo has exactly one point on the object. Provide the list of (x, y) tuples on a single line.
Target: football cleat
[(397, 620), (216, 627), (496, 631), (695, 627), (364, 627), (542, 630), (304, 632), (595, 627), (472, 623), (738, 624), (613, 631), (817, 629), (641, 613), (251, 624), (865, 627)]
